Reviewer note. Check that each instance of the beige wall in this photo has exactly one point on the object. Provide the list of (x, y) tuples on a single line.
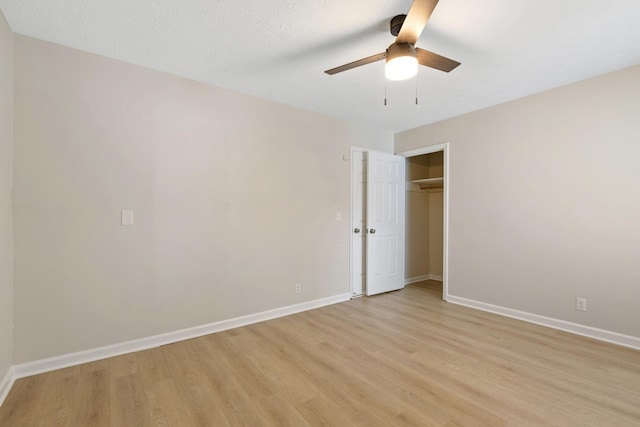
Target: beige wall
[(435, 231), (417, 234), (6, 178), (234, 199), (545, 201)]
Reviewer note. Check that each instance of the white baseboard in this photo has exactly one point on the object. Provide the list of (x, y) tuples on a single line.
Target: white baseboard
[(416, 279), (72, 359), (563, 325), (6, 383)]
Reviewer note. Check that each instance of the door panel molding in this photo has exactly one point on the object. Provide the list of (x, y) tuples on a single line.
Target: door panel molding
[(385, 222)]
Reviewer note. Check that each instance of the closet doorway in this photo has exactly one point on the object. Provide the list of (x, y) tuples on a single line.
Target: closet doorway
[(427, 191)]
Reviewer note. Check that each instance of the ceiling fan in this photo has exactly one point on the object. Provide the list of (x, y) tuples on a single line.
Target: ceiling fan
[(402, 57)]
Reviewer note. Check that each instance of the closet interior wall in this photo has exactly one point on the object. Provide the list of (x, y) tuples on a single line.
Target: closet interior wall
[(424, 249)]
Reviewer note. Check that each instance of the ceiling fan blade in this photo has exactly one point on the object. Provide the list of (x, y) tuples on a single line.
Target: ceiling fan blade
[(436, 61), (358, 63), (415, 21)]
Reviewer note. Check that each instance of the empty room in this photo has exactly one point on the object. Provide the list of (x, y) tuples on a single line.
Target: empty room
[(306, 213)]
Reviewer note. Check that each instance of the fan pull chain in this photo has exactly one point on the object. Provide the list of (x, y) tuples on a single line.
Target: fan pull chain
[(416, 89), (385, 92)]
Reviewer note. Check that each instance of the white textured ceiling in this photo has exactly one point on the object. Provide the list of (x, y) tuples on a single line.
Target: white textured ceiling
[(278, 49)]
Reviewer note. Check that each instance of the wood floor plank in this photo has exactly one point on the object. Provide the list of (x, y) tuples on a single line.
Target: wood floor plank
[(279, 411), (58, 404), (185, 361), (405, 358), (152, 366), (124, 365), (17, 409), (233, 354), (129, 404), (322, 412), (203, 408), (276, 365), (165, 404), (236, 402), (326, 374), (93, 400)]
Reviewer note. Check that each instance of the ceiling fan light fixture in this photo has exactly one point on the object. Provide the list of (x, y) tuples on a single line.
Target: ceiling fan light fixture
[(402, 62)]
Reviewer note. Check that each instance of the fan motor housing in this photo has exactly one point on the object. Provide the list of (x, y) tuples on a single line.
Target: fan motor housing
[(396, 24), (400, 49)]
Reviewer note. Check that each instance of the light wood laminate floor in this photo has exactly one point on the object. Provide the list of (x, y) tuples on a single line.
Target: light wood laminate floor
[(404, 358)]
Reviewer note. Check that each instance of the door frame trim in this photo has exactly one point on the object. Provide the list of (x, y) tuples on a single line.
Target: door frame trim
[(444, 147), (351, 151)]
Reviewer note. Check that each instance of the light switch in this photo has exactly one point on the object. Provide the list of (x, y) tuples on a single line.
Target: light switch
[(127, 218)]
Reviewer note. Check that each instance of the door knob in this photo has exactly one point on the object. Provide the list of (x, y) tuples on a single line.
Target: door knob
[(356, 230), (372, 231)]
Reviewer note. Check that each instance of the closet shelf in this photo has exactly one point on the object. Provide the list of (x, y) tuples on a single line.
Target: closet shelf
[(429, 182)]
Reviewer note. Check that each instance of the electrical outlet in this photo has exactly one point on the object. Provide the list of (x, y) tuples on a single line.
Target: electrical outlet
[(581, 304), (298, 288)]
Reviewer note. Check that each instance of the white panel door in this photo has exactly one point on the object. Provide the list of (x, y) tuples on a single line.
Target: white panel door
[(358, 221), (385, 202)]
